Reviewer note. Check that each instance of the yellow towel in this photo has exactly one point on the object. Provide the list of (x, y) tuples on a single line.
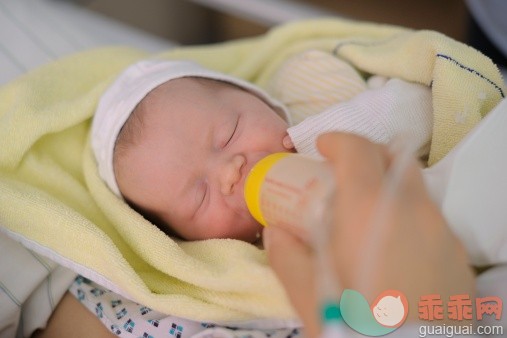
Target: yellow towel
[(52, 199), (465, 84)]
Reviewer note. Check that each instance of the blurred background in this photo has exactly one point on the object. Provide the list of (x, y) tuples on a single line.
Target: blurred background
[(208, 21), (34, 32)]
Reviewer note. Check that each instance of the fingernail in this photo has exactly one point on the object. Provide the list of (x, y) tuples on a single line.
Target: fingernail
[(287, 142)]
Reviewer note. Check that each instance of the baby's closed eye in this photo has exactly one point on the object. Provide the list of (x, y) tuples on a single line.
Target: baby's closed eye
[(231, 133), (201, 195)]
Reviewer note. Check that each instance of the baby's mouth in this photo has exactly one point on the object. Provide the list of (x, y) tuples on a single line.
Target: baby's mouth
[(245, 171)]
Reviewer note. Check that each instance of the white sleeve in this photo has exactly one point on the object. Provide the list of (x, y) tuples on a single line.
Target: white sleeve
[(493, 282), (379, 114)]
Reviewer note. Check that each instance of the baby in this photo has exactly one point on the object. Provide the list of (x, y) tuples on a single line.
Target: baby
[(176, 141)]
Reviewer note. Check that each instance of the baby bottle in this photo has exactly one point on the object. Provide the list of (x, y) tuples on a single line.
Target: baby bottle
[(291, 191)]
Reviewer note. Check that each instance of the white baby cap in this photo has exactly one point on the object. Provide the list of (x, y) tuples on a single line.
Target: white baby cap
[(131, 86)]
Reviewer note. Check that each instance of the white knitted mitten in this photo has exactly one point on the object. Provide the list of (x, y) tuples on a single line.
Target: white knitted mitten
[(379, 114), (313, 80)]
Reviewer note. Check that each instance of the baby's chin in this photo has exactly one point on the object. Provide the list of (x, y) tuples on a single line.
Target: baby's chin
[(249, 232), (240, 229)]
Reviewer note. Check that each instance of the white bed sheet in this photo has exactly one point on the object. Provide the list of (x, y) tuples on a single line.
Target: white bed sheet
[(34, 32)]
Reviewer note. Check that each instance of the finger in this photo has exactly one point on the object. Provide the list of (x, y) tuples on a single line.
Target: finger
[(293, 263), (359, 165), (287, 142)]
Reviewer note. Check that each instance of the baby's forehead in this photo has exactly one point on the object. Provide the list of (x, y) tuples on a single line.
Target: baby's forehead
[(130, 91), (161, 92), (191, 83), (185, 90)]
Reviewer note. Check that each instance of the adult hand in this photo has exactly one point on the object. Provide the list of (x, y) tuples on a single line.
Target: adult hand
[(415, 252)]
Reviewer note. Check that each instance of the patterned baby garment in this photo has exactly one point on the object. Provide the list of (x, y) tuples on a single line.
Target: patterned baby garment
[(129, 319)]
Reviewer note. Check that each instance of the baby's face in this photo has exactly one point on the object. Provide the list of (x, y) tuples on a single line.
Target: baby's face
[(199, 139)]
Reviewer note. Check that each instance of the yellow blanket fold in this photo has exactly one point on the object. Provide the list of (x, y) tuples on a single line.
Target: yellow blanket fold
[(52, 198)]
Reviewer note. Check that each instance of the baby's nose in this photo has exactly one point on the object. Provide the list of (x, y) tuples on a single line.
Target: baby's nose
[(231, 174)]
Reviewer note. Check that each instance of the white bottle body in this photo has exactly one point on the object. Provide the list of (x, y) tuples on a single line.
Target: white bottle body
[(290, 191)]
